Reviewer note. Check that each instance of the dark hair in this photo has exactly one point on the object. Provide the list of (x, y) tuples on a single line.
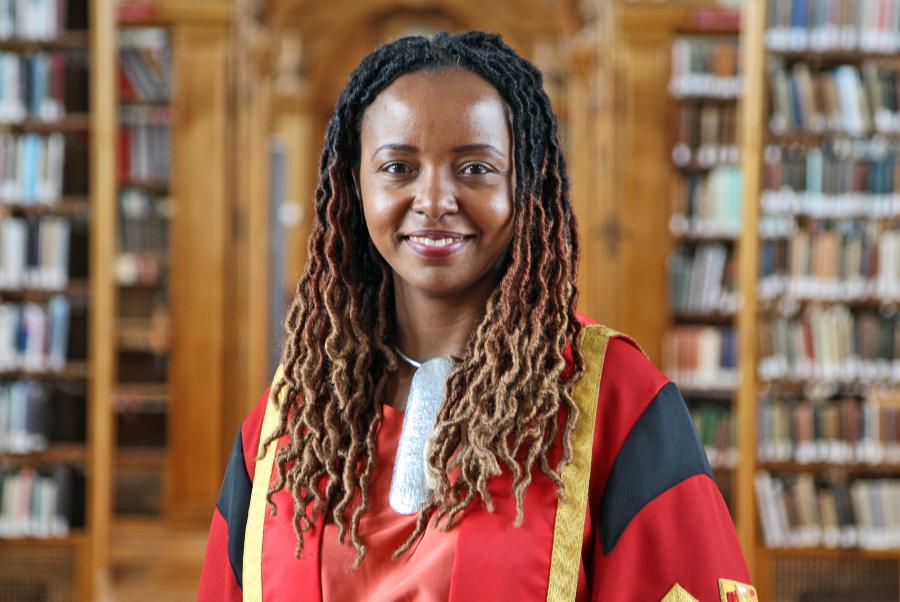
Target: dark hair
[(505, 395)]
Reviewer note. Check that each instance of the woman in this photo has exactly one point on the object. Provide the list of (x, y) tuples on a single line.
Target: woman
[(443, 229)]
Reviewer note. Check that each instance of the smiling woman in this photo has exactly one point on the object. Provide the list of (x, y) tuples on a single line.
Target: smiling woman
[(433, 350)]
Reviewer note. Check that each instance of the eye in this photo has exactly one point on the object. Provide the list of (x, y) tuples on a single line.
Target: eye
[(476, 169), (396, 168)]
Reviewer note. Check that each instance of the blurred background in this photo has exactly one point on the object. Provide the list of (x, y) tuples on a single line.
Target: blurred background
[(735, 172)]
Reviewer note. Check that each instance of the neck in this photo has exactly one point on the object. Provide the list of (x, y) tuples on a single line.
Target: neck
[(429, 327)]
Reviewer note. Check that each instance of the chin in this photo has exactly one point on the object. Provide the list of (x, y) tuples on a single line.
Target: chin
[(440, 288)]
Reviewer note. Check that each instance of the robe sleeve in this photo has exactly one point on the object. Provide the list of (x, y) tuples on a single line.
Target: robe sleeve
[(221, 577), (658, 518)]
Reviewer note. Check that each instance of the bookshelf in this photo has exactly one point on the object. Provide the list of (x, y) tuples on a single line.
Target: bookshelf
[(56, 231), (142, 397), (700, 344), (174, 294), (818, 400)]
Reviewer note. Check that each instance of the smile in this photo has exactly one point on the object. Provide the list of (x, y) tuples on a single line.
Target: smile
[(436, 244)]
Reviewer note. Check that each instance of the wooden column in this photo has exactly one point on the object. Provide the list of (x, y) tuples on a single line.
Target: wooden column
[(247, 325), (752, 120), (199, 246), (102, 307)]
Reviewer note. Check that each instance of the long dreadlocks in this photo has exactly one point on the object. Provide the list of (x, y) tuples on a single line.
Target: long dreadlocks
[(506, 392)]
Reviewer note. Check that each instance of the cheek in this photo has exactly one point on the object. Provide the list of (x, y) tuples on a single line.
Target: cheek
[(497, 217), (382, 217)]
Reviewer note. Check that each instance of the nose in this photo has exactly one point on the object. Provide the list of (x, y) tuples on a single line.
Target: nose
[(435, 194)]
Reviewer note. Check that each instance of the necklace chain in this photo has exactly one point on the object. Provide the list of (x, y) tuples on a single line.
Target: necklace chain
[(407, 359)]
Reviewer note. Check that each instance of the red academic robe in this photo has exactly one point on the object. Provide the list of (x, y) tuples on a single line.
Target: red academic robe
[(655, 526)]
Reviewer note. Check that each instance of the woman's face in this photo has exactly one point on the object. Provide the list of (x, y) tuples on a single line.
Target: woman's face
[(436, 179)]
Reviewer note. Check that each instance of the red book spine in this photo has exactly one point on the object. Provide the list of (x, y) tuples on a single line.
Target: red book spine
[(124, 155)]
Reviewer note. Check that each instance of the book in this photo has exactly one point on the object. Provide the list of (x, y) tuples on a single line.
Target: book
[(701, 357), (145, 66), (34, 337), (40, 502), (717, 427), (34, 253), (830, 344), (833, 25), (143, 239), (705, 66), (843, 430), (708, 205), (705, 135), (702, 280), (846, 99), (806, 510)]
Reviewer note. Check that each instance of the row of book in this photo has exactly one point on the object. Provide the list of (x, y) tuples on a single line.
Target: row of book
[(145, 66), (34, 253), (40, 502), (845, 99), (712, 227), (143, 236), (24, 417), (840, 431), (31, 167), (848, 260), (701, 357), (800, 510), (144, 143), (834, 180), (32, 86), (705, 67), (40, 19), (702, 280), (833, 25), (34, 337), (709, 203), (717, 428), (705, 135), (831, 344)]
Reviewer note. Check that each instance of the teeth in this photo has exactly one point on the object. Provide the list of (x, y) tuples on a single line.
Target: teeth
[(432, 242)]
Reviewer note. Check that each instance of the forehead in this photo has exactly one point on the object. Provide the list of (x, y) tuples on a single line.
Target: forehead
[(455, 106)]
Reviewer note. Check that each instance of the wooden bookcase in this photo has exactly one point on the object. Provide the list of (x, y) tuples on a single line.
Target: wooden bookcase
[(705, 227), (635, 35), (781, 572), (74, 566)]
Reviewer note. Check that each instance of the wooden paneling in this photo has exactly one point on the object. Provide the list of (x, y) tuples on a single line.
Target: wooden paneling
[(251, 123), (626, 234), (199, 243)]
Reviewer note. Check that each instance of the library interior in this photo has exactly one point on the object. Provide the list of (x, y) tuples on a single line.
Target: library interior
[(734, 166)]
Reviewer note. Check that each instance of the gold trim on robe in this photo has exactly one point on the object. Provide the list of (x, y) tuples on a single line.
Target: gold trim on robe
[(256, 513), (568, 530)]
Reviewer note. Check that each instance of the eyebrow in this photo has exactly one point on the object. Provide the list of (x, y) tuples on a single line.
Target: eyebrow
[(465, 148)]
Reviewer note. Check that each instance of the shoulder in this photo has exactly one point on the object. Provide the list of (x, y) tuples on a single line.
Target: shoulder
[(644, 437), (628, 378)]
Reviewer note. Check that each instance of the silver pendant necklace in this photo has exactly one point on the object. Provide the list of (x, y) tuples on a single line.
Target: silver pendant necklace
[(411, 483), (408, 359)]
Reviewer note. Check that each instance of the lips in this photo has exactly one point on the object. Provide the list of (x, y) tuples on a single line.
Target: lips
[(436, 243)]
